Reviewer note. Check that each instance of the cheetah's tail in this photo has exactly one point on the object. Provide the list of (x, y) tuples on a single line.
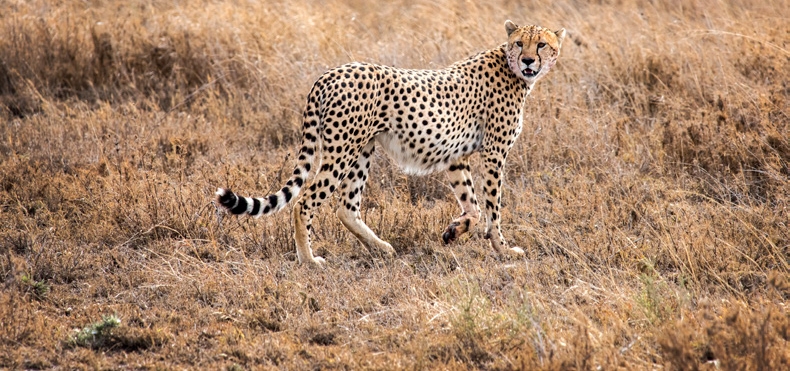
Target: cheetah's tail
[(253, 206)]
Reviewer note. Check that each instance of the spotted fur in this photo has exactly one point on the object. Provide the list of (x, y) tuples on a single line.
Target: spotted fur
[(426, 120)]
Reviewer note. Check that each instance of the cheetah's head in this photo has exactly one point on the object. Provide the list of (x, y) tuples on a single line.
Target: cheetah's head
[(532, 50)]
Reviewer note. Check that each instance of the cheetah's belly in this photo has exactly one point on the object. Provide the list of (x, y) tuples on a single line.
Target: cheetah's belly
[(428, 157)]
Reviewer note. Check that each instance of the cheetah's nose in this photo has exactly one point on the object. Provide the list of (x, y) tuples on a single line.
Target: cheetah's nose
[(527, 61)]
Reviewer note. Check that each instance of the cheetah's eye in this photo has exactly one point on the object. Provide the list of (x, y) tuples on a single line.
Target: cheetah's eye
[(541, 45), (519, 43)]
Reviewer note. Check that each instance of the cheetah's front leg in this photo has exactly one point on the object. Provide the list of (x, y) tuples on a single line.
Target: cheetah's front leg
[(461, 181), (492, 193)]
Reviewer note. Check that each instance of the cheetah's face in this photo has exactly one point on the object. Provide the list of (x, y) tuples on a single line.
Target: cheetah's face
[(532, 50)]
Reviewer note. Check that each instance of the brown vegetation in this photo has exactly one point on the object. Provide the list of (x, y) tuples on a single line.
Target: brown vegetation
[(649, 189)]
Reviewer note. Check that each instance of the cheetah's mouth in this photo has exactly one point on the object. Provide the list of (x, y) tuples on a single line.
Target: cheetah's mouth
[(528, 72)]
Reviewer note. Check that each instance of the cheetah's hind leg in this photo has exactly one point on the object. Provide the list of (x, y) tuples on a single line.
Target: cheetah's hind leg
[(348, 208), (324, 184)]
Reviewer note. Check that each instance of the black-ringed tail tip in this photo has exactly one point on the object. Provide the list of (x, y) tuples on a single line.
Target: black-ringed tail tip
[(236, 204), (257, 206), (230, 201)]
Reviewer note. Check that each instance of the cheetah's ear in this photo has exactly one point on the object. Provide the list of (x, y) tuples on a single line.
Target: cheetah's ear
[(560, 36), (510, 27)]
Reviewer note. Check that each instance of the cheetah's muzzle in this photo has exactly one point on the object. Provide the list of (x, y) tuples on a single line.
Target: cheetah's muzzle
[(528, 72)]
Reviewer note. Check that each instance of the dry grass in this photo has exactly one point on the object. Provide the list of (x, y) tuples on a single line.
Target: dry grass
[(649, 189)]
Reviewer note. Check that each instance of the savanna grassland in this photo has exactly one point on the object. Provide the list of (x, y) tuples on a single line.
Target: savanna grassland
[(649, 188)]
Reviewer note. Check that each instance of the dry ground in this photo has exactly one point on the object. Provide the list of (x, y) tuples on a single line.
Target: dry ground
[(649, 189)]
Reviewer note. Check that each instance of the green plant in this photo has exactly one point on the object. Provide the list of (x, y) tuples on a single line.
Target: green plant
[(95, 334), (40, 288)]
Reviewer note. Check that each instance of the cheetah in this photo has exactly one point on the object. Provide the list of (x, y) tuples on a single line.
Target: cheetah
[(425, 120)]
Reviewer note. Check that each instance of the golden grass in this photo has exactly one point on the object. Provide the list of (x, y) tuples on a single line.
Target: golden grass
[(649, 189)]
